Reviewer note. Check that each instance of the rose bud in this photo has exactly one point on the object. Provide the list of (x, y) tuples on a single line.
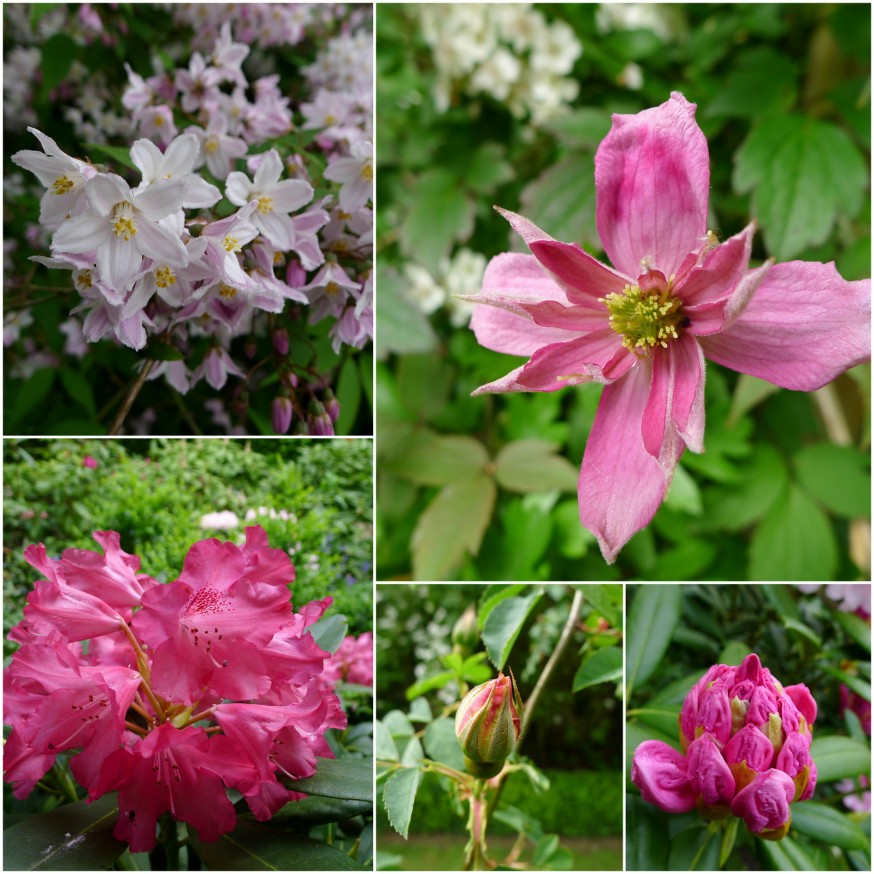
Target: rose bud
[(465, 632), (487, 725)]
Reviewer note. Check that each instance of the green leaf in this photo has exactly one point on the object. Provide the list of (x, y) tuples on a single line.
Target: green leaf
[(581, 128), (654, 615), (646, 839), (31, 394), (856, 627), (452, 526), (493, 596), (805, 173), (330, 631), (749, 392), (787, 855), (600, 596), (562, 200), (839, 757), (317, 810), (403, 328), (158, 351), (762, 80), (684, 495), (74, 837), (826, 824), (838, 476), (544, 849), (733, 653), (120, 154), (424, 384), (696, 849), (795, 541), (79, 389), (504, 625), (441, 744), (663, 721), (350, 778), (440, 215), (348, 395), (385, 748), (532, 466), (420, 710), (399, 796), (256, 847), (58, 53), (602, 666), (432, 460), (487, 168), (429, 684)]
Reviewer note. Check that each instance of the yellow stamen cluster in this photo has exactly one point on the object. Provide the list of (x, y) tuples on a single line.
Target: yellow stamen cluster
[(83, 279), (62, 185), (231, 244), (265, 204), (332, 288), (211, 144), (165, 276), (367, 171), (227, 292), (645, 319), (124, 221)]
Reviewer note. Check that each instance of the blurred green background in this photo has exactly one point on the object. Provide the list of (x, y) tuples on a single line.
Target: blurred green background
[(507, 105)]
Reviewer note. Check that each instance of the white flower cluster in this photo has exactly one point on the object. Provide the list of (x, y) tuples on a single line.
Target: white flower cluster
[(460, 275), (506, 51)]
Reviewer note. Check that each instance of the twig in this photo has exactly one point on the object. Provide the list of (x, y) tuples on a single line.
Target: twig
[(130, 398)]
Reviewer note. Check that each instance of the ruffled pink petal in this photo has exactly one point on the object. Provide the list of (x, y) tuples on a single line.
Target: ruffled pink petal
[(713, 317), (675, 407), (720, 271), (598, 357), (752, 746), (804, 326), (652, 176), (764, 804), (621, 485), (803, 700), (659, 771), (708, 773), (520, 277)]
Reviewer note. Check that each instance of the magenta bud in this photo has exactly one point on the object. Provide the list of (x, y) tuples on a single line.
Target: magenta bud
[(250, 349), (661, 774), (295, 275), (708, 773), (280, 341), (488, 722), (89, 461), (282, 413), (332, 405), (803, 700), (319, 421), (714, 713), (764, 804)]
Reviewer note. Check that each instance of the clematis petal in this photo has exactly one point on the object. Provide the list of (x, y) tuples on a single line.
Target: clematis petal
[(720, 271), (514, 275), (597, 357), (804, 326), (713, 317), (652, 176), (621, 485), (660, 772), (583, 278)]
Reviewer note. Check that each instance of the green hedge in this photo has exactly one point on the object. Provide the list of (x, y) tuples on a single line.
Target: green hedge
[(578, 804), (154, 493)]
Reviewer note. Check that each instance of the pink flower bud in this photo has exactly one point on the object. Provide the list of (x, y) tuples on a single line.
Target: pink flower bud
[(661, 774), (488, 722), (332, 405), (764, 804), (280, 341), (795, 760), (748, 753), (90, 461), (282, 413), (709, 775), (714, 713), (803, 700)]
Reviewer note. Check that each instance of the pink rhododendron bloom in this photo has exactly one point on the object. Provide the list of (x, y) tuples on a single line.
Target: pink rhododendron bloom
[(746, 750), (184, 690), (643, 326)]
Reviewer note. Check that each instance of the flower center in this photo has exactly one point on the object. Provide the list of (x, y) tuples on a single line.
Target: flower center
[(231, 244), (211, 145), (165, 277), (332, 288), (645, 318), (62, 185), (123, 225), (367, 171), (227, 292), (265, 204)]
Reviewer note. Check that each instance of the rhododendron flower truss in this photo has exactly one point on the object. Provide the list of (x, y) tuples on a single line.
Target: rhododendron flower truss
[(185, 689), (643, 327), (746, 751)]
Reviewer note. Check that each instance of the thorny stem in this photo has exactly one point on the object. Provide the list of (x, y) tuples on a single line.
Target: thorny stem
[(131, 396), (476, 858)]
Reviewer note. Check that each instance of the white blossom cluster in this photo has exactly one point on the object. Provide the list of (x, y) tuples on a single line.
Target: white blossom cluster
[(460, 275)]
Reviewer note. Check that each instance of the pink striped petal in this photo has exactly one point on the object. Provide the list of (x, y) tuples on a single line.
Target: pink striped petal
[(652, 178), (804, 326), (583, 278), (711, 318), (721, 270), (621, 484)]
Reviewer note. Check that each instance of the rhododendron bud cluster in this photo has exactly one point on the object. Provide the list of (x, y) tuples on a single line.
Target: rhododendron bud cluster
[(250, 215), (487, 725), (746, 740), (183, 691)]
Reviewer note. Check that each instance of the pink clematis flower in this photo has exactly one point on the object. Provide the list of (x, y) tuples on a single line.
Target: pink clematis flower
[(643, 327)]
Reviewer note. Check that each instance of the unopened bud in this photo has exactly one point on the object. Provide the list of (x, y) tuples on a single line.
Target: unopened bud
[(465, 632), (280, 341), (487, 725), (319, 421), (332, 405), (282, 413)]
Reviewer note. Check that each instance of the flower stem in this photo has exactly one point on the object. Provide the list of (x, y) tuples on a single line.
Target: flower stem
[(130, 397)]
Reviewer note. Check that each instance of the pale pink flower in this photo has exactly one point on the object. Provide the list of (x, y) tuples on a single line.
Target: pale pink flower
[(355, 173), (175, 162), (642, 328), (217, 149)]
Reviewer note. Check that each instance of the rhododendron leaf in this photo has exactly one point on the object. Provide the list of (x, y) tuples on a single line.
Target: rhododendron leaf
[(317, 810), (838, 758), (787, 855), (533, 466), (255, 847), (74, 837), (350, 778), (647, 841), (441, 743), (856, 627), (795, 541), (441, 214), (329, 632), (452, 526), (602, 666), (828, 825), (399, 797), (837, 476), (695, 849), (652, 619), (505, 624), (562, 199)]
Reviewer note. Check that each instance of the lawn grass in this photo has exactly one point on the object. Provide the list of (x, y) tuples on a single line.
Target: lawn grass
[(441, 852)]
